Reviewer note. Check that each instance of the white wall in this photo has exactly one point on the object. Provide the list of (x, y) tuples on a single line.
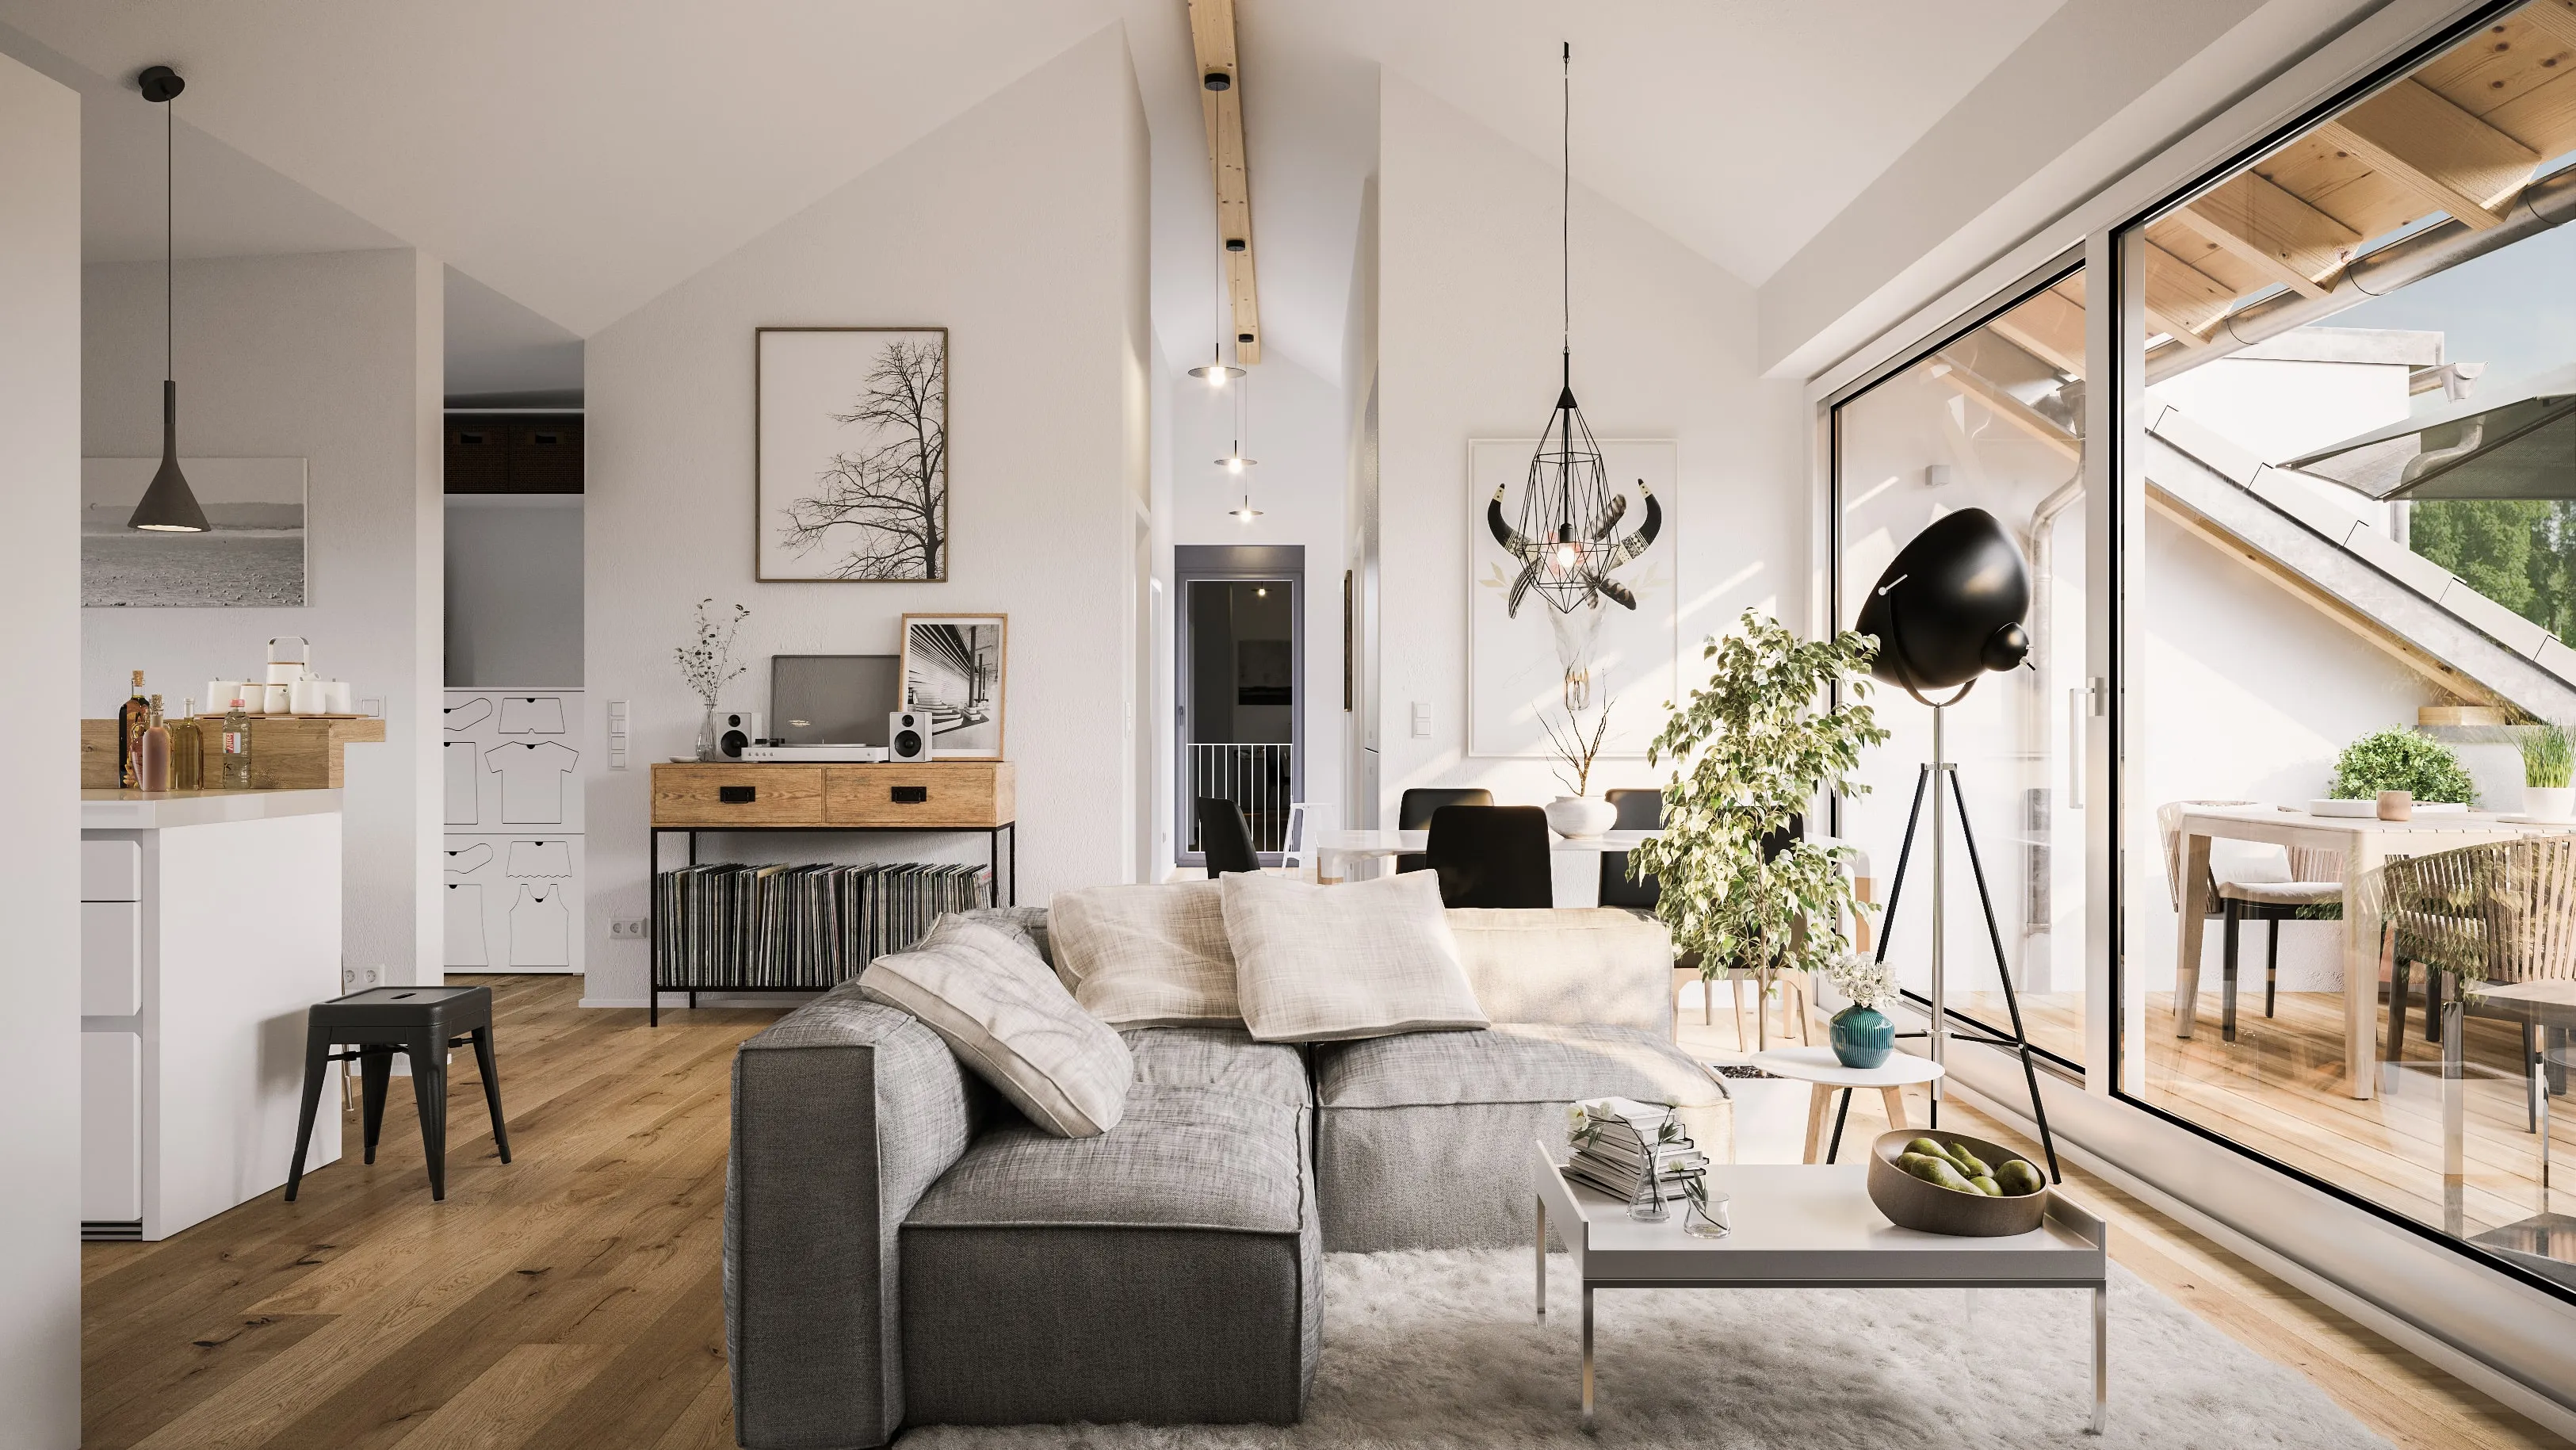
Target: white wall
[(514, 589), (334, 358), (40, 409), (1296, 433), (1467, 348), (1020, 227)]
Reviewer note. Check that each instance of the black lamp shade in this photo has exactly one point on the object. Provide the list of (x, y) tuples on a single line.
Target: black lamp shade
[(169, 505), (1951, 606)]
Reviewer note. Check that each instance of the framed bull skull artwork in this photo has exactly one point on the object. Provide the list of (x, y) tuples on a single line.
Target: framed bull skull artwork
[(1538, 650)]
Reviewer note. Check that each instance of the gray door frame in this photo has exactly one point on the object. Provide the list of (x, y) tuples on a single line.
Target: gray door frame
[(1232, 564)]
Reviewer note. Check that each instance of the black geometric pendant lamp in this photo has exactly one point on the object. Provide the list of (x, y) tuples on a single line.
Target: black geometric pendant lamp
[(1566, 513), (169, 505)]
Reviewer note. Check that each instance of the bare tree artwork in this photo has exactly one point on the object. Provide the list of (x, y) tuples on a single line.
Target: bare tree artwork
[(880, 510)]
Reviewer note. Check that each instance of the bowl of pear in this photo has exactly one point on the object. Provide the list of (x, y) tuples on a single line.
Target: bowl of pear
[(1951, 1183)]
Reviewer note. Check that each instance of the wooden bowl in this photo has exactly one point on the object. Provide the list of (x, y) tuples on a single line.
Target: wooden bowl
[(1909, 1202)]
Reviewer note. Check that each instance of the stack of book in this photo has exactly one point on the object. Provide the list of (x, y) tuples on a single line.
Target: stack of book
[(1615, 1141), (797, 926)]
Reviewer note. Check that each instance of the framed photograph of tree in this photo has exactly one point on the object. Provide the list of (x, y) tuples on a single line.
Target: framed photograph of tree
[(851, 454), (953, 666)]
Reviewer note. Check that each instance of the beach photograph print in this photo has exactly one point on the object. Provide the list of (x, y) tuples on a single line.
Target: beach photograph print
[(852, 454), (250, 557), (952, 672)]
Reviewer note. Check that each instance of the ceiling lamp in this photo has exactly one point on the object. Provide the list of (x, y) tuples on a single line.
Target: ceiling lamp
[(169, 505), (1246, 513), (1566, 506), (1234, 462), (1217, 370)]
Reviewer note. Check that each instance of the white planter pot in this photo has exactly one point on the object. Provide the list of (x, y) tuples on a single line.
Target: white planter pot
[(1580, 817), (2544, 802)]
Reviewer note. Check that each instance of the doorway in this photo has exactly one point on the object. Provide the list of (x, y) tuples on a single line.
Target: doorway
[(1239, 670)]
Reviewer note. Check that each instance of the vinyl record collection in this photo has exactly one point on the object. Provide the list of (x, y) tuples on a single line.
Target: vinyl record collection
[(797, 926)]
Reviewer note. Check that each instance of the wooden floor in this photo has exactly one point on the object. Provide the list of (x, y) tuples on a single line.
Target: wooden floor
[(571, 1298)]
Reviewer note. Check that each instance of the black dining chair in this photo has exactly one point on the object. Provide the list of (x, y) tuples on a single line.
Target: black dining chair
[(1225, 837), (1639, 810), (1492, 856), (1413, 813)]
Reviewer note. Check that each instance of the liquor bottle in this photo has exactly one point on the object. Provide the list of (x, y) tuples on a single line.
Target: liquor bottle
[(152, 761), (129, 736), (187, 749), (236, 748)]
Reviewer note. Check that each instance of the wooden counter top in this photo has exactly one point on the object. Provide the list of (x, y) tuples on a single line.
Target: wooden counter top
[(287, 752)]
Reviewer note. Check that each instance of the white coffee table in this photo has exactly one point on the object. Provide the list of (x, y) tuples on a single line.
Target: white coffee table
[(1798, 1227), (1817, 1066)]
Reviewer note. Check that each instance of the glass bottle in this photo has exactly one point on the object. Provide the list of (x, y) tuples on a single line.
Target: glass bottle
[(130, 720), (187, 749), (236, 748), (152, 761)]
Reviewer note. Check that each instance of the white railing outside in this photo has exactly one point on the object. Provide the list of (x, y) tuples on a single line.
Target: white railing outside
[(1261, 778)]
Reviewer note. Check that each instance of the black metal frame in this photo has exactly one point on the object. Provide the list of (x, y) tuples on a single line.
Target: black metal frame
[(653, 870)]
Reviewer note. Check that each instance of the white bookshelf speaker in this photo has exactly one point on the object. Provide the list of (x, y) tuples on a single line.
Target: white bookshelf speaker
[(736, 731), (907, 736)]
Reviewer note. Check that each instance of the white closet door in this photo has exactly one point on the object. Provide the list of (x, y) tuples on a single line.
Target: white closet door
[(111, 1127)]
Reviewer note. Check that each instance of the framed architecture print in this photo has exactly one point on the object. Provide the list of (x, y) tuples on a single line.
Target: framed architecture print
[(851, 454), (953, 667)]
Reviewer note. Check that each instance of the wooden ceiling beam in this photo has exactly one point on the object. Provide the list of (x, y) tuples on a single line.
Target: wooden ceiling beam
[(2273, 231), (2555, 19), (2050, 327), (1212, 38), (2183, 301), (2451, 159), (2005, 406)]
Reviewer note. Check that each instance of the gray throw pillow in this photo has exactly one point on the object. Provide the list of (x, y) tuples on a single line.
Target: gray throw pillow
[(1331, 963), (999, 1008)]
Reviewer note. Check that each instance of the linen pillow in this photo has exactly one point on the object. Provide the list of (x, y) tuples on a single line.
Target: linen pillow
[(1146, 956), (1011, 1022), (1330, 963)]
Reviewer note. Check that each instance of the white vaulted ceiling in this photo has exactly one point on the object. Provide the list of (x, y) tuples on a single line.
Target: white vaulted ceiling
[(581, 156)]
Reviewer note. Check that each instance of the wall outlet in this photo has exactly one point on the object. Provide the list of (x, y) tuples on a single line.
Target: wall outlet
[(348, 979), (626, 928), (375, 976)]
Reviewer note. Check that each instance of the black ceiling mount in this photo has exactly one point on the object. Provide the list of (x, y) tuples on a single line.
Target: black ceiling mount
[(1243, 337), (159, 83), (1217, 80), (1234, 244)]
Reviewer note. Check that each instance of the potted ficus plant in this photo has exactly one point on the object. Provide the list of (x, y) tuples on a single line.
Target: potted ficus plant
[(2548, 771), (1580, 816), (1779, 722)]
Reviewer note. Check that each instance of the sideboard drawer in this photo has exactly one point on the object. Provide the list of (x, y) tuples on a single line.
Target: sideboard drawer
[(935, 795), (686, 794)]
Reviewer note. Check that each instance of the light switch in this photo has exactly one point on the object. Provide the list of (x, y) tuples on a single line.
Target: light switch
[(1421, 718)]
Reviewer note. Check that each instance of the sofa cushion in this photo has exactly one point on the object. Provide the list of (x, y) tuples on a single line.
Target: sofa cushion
[(1333, 963), (1146, 956), (1221, 1059), (1574, 965), (986, 993), (1168, 1271), (1422, 1142)]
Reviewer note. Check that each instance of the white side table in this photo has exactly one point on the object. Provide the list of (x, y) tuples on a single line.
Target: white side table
[(1817, 1066)]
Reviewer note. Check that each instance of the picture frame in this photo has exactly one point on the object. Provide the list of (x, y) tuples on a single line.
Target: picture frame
[(850, 455), (253, 556), (956, 670)]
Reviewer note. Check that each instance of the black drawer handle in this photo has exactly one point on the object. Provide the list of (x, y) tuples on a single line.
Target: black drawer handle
[(737, 795), (910, 795)]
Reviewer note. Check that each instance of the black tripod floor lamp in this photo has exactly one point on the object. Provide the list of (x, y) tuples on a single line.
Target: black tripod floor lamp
[(1947, 611)]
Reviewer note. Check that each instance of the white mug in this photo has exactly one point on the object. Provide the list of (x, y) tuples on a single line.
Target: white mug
[(254, 698), (220, 695), (341, 701), (278, 703), (309, 697)]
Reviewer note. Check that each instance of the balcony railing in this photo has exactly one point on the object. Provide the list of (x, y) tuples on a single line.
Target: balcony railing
[(1261, 778)]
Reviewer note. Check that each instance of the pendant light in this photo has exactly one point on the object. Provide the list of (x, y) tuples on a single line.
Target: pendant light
[(1218, 371), (1566, 506), (169, 506), (1234, 462)]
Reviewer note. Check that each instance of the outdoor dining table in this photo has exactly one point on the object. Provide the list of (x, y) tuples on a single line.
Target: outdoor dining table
[(2365, 843)]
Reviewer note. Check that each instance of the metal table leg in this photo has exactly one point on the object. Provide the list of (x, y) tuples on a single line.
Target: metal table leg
[(1587, 1357), (2101, 1361), (1542, 1260)]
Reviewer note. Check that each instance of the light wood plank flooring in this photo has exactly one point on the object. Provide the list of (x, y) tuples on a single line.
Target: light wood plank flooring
[(570, 1299)]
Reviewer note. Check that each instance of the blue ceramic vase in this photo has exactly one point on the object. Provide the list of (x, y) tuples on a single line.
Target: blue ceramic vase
[(1862, 1036)]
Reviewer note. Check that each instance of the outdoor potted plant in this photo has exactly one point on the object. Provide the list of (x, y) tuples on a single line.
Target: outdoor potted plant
[(2548, 763), (1578, 817), (707, 664), (1779, 722), (2405, 761), (1861, 1035)]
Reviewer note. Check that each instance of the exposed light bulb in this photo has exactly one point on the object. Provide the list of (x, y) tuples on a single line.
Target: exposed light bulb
[(1566, 557), (1233, 464), (1247, 513)]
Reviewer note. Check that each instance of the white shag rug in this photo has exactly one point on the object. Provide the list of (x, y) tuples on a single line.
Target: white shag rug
[(1438, 1349)]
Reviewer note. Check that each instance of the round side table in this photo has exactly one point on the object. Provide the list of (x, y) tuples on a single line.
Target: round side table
[(1816, 1066)]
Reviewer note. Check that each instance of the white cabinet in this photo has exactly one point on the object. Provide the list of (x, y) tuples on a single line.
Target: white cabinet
[(111, 1128), (111, 958), (511, 894)]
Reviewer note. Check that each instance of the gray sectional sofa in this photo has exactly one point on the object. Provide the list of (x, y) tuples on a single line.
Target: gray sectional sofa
[(902, 1248)]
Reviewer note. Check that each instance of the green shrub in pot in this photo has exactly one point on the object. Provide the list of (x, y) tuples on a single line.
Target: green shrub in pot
[(2404, 760), (2548, 768)]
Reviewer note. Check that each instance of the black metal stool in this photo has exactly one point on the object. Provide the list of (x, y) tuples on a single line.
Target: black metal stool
[(422, 1022)]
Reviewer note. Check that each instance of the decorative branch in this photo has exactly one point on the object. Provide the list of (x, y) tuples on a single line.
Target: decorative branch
[(1572, 750), (707, 661)]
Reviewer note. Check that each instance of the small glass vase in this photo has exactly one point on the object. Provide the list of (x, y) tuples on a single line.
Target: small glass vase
[(1862, 1036), (1648, 1206), (1707, 1215), (707, 735)]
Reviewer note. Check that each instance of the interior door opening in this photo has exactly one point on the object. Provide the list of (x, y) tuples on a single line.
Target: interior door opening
[(1240, 663)]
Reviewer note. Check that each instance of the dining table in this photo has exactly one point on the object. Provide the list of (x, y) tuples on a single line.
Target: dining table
[(2365, 844), (1574, 863)]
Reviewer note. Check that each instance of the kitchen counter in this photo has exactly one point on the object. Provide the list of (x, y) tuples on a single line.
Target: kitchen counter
[(140, 810)]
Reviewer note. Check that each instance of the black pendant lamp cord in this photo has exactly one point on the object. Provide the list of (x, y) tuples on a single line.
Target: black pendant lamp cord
[(169, 239), (1565, 216)]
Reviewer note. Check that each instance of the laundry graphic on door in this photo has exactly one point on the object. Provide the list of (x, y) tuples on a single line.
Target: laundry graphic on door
[(532, 715), (532, 780), (540, 928), (540, 858), (462, 860), (464, 764), (465, 942), (468, 715)]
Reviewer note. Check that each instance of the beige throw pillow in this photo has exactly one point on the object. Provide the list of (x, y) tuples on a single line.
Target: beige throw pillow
[(1008, 1019), (1146, 956), (1329, 963)]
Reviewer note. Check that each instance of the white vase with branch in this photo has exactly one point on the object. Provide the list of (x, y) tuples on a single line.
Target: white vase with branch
[(707, 663), (1578, 817)]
